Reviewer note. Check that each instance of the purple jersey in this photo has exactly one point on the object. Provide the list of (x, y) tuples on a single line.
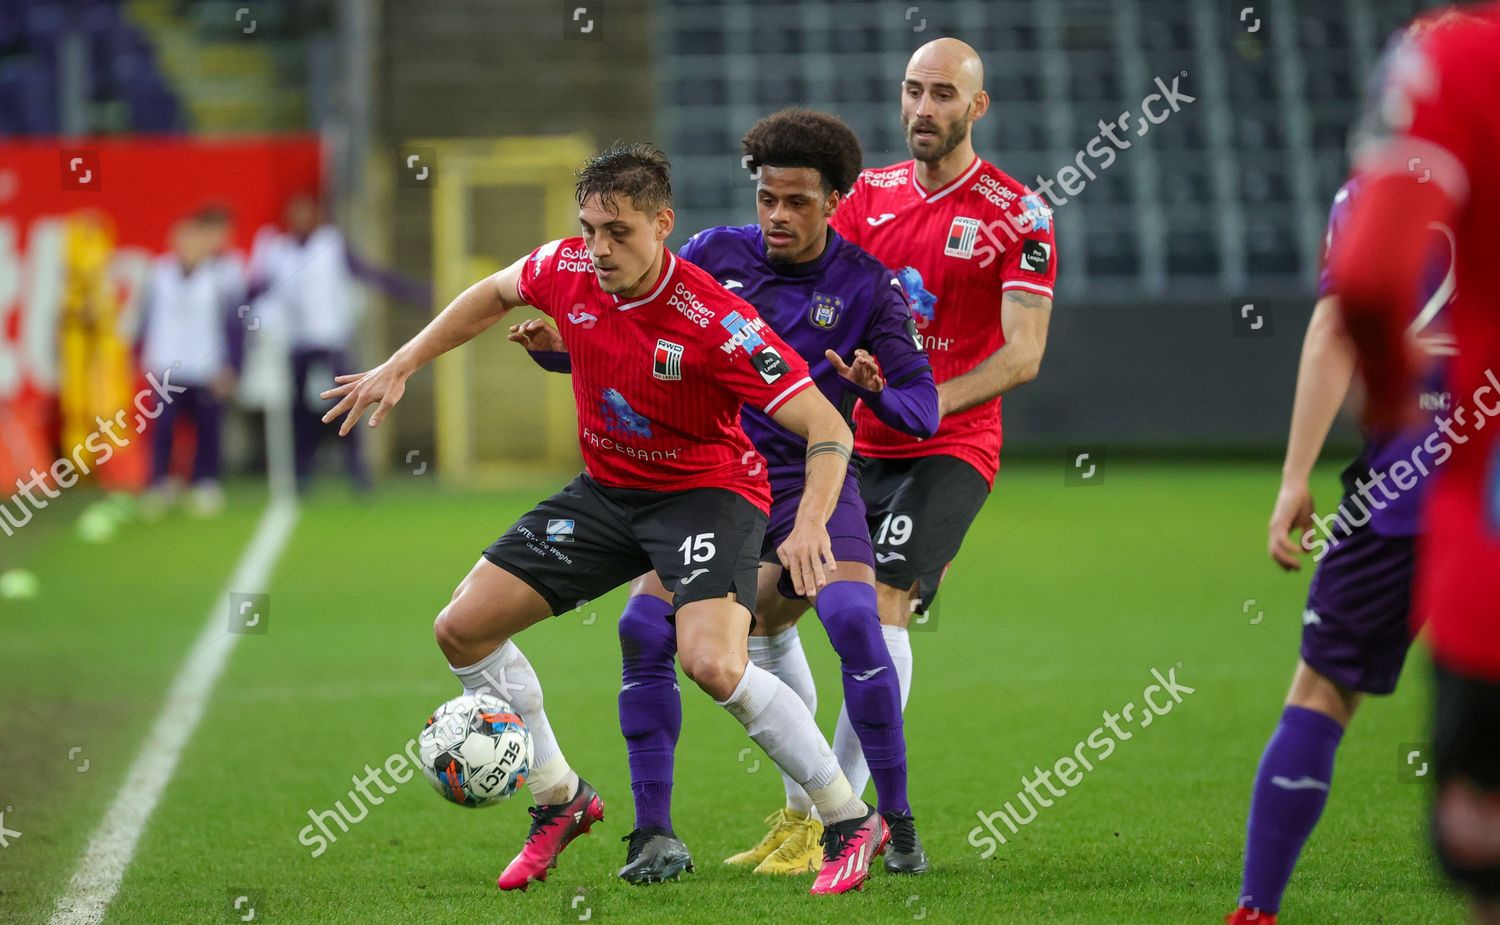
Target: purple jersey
[(842, 301), (1401, 515)]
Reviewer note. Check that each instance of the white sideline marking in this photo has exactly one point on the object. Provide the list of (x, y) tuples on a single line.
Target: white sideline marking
[(97, 879)]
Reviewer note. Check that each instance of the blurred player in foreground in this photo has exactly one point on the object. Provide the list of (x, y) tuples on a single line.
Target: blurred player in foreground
[(1429, 156), (974, 251), (1358, 623), (659, 378), (829, 300)]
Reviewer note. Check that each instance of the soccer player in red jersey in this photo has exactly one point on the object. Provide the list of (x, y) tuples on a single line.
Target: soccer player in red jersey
[(973, 249), (671, 483), (1428, 154)]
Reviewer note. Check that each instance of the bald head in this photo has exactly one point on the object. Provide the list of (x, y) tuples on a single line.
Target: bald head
[(948, 60), (941, 96)]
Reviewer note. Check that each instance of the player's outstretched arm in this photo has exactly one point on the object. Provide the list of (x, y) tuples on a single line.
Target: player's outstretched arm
[(807, 552), (465, 318), (1323, 376), (908, 404), (1024, 316)]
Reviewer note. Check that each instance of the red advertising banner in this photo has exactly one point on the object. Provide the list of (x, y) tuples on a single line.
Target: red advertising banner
[(80, 223)]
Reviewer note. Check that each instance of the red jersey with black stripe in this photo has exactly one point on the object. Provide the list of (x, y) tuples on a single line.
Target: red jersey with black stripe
[(956, 250), (659, 379)]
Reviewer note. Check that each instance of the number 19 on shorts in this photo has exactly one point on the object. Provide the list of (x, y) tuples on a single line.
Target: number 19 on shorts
[(895, 530)]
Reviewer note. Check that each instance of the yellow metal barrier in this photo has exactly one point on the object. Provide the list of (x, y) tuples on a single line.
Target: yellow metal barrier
[(501, 420)]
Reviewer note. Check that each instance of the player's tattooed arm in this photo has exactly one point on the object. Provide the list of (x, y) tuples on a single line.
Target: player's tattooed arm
[(1024, 316), (465, 318), (807, 553), (829, 446)]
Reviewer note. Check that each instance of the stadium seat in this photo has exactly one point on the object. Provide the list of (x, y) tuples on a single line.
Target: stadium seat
[(1192, 251), (30, 93)]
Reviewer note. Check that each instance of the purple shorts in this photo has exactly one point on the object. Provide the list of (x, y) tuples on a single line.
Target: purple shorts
[(847, 530), (1357, 626)]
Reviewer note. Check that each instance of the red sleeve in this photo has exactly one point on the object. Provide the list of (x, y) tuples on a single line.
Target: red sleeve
[(759, 368), (538, 278), (845, 218), (1030, 263)]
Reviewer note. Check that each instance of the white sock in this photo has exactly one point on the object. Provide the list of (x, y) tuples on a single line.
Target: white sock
[(898, 642), (782, 656), (845, 740), (779, 723), (506, 674)]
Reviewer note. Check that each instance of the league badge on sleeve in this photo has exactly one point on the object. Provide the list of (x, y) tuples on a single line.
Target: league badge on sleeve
[(825, 310), (768, 362), (1036, 256)]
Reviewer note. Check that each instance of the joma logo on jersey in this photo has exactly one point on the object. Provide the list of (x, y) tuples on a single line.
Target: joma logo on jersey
[(961, 237), (825, 310), (667, 364)]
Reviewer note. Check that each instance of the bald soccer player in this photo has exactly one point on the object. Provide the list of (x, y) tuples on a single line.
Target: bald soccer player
[(973, 249)]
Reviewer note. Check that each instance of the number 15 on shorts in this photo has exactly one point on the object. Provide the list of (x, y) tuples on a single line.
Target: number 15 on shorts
[(699, 548)]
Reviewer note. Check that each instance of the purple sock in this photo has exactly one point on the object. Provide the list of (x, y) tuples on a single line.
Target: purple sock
[(650, 706), (1291, 788), (872, 692)]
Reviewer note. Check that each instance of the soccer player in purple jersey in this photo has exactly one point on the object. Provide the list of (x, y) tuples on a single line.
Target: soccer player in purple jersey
[(1356, 628), (834, 303)]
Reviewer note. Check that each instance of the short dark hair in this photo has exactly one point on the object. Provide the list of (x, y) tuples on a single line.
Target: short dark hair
[(804, 138), (213, 213), (638, 171)]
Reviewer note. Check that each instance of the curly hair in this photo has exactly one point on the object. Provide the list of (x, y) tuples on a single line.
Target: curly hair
[(804, 138), (639, 171)]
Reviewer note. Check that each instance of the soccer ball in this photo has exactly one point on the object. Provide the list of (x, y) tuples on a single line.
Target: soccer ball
[(475, 750)]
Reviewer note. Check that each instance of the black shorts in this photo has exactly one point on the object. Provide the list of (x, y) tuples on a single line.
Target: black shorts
[(589, 539), (918, 511), (1466, 745)]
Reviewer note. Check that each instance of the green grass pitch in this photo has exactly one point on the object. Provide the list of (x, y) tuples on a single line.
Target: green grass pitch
[(1059, 606)]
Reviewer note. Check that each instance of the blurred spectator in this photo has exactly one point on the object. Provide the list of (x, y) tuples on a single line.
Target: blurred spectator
[(309, 274), (191, 340)]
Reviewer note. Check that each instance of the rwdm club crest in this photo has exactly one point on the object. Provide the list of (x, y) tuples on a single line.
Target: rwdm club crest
[(825, 310)]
